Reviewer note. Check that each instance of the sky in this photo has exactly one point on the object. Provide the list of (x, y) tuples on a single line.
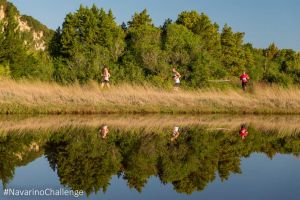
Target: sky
[(263, 21)]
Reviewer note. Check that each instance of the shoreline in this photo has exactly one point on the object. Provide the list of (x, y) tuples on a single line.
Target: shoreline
[(149, 123), (10, 109)]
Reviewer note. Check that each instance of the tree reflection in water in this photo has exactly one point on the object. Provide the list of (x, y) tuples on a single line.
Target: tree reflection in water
[(85, 161)]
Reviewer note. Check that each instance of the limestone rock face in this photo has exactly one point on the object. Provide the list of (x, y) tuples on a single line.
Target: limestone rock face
[(39, 33), (23, 26), (2, 13)]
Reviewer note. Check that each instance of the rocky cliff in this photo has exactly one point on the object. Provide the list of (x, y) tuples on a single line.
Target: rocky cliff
[(37, 34)]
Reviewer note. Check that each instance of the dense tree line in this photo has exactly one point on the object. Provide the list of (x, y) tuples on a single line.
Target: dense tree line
[(138, 51)]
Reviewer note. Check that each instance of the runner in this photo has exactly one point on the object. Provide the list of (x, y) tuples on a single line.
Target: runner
[(104, 131), (243, 132), (244, 78), (176, 78), (106, 76), (175, 134)]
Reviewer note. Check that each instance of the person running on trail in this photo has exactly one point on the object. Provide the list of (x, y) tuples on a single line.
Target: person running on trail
[(244, 78), (176, 78), (175, 133), (106, 76), (243, 132)]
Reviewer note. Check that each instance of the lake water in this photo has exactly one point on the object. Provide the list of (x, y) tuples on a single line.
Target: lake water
[(149, 158)]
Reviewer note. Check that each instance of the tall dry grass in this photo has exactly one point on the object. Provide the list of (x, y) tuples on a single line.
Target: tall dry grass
[(286, 125), (39, 97)]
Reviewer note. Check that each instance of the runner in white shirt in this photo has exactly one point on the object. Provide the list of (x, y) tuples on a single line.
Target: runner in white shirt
[(176, 78), (175, 134), (104, 131)]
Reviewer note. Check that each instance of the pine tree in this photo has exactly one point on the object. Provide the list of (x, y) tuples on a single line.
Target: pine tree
[(55, 46), (232, 50), (140, 19)]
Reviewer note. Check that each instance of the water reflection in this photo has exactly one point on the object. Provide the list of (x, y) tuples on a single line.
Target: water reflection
[(104, 131), (85, 162), (243, 131), (17, 150), (175, 133)]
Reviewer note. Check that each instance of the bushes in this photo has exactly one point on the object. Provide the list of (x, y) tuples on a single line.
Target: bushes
[(295, 73), (62, 73), (276, 77), (33, 66), (4, 70)]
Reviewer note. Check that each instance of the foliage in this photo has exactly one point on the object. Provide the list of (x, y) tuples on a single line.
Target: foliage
[(232, 52), (15, 150), (85, 161), (140, 19), (139, 52), (89, 39), (18, 59), (4, 71), (204, 28)]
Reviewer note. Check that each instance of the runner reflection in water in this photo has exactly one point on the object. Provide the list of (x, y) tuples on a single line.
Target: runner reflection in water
[(104, 131), (175, 134), (243, 131)]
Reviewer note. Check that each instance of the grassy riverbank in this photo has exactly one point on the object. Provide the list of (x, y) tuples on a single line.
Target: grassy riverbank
[(49, 98)]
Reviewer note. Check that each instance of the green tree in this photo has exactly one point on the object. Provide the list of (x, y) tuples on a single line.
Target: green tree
[(143, 52), (140, 19), (232, 57), (201, 25), (55, 46), (89, 39), (183, 49)]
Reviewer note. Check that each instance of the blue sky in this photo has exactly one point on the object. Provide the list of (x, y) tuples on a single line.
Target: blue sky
[(263, 21)]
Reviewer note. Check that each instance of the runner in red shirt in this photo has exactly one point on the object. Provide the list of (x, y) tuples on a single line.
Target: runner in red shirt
[(243, 132), (244, 78)]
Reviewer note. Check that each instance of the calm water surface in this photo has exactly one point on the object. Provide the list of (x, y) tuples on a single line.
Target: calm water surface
[(200, 163)]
